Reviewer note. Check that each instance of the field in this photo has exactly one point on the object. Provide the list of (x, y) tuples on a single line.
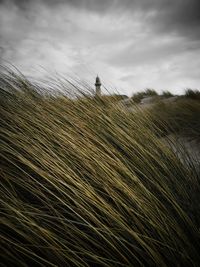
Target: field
[(85, 183)]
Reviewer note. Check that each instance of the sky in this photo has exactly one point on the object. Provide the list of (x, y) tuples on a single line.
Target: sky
[(131, 44)]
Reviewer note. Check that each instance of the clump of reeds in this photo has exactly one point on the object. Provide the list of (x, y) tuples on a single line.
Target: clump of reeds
[(84, 183)]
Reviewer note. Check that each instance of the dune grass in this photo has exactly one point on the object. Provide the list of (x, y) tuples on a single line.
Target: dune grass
[(83, 183), (181, 117), (137, 97)]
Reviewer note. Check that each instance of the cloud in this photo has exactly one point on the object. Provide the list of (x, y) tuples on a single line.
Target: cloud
[(131, 43)]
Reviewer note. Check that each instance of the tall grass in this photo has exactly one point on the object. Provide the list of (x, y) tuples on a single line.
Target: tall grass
[(193, 94), (83, 183), (137, 97), (181, 116)]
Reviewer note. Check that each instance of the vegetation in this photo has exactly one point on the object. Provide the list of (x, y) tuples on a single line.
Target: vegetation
[(193, 94), (181, 117), (166, 94), (189, 94), (137, 97), (83, 183)]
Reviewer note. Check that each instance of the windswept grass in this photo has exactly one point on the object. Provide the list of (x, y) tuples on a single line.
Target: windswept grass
[(193, 94), (84, 183), (181, 117), (137, 97), (166, 94)]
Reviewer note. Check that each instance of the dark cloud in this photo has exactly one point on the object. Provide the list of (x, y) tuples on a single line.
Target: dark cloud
[(180, 17), (21, 4), (187, 11), (168, 15)]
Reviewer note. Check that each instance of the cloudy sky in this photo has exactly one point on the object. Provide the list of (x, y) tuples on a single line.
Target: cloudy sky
[(131, 44)]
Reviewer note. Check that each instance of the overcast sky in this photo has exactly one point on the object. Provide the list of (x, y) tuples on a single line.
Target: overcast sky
[(131, 44)]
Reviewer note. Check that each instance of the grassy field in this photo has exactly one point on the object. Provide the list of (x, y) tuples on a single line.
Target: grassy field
[(84, 183)]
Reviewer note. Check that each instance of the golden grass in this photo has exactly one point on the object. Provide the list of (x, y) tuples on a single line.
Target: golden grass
[(87, 184)]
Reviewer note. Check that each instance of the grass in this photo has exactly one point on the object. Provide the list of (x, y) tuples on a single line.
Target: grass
[(181, 117), (137, 97), (193, 94), (83, 183), (166, 94)]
